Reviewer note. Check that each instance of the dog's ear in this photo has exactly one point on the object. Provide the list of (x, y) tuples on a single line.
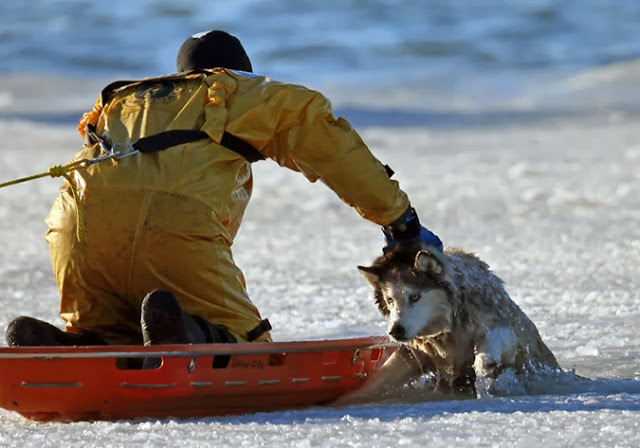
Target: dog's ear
[(427, 262), (371, 273)]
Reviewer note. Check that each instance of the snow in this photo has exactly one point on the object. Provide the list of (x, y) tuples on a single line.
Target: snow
[(551, 204)]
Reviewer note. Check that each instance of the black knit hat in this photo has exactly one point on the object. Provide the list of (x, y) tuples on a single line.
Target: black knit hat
[(213, 49)]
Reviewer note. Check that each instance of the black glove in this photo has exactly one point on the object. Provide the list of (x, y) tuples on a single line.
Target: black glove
[(407, 230)]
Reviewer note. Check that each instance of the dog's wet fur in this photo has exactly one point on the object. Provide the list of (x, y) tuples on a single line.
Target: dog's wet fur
[(455, 321)]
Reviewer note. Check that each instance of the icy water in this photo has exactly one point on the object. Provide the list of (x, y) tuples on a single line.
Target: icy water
[(513, 127), (312, 38)]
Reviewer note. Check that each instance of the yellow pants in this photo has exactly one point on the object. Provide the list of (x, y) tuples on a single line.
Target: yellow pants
[(133, 243)]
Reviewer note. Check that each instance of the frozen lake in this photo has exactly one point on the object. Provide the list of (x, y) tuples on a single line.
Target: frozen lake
[(513, 127)]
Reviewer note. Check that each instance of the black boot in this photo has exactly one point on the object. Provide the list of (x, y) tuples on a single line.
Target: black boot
[(163, 321), (30, 332)]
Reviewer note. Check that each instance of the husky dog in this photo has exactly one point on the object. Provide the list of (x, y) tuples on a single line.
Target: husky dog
[(455, 321)]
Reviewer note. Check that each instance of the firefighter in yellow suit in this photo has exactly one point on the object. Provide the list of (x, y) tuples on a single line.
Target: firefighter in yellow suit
[(165, 221)]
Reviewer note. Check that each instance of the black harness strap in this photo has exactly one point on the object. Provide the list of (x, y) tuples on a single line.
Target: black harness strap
[(260, 329), (389, 171), (167, 139), (241, 147)]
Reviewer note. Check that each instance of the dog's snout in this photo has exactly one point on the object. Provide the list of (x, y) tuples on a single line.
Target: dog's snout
[(397, 332)]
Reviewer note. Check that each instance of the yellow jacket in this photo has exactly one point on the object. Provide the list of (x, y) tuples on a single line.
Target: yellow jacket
[(289, 124)]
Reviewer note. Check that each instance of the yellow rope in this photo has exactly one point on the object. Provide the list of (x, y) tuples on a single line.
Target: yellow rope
[(60, 171)]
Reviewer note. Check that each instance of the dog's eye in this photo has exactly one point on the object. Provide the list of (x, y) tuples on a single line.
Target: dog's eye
[(389, 301), (413, 298)]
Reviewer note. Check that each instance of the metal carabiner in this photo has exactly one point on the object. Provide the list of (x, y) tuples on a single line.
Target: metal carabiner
[(122, 154), (111, 153)]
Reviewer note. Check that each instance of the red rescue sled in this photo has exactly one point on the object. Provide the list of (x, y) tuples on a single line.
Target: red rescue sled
[(98, 383)]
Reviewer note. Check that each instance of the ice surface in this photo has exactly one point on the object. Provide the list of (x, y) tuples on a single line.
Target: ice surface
[(552, 205)]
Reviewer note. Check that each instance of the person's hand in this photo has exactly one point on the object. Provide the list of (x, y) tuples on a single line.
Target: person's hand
[(407, 230)]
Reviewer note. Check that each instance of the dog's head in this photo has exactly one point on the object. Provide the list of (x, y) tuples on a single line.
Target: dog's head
[(410, 291)]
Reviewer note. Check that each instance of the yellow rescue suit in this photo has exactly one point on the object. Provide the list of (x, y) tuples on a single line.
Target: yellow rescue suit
[(168, 219)]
